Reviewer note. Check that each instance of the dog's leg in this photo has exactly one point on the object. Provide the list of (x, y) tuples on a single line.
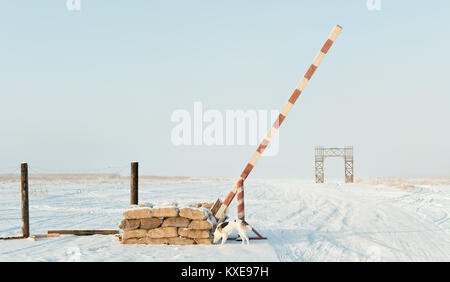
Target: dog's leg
[(224, 239), (246, 239), (243, 237)]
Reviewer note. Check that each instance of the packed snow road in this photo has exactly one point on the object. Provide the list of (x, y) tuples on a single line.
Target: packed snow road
[(303, 221)]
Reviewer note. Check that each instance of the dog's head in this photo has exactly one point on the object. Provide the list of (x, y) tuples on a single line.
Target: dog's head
[(218, 232)]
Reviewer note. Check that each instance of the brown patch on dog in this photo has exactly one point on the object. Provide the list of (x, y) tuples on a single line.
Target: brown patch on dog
[(222, 225)]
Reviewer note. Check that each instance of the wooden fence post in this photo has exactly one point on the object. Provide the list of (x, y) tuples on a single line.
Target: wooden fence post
[(25, 213), (134, 183)]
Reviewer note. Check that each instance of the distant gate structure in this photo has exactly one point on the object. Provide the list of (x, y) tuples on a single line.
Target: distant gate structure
[(321, 153)]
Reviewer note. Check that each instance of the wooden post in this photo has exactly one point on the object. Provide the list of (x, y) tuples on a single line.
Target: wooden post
[(25, 213), (134, 183)]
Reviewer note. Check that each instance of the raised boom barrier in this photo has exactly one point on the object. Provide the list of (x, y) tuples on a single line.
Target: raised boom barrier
[(238, 186)]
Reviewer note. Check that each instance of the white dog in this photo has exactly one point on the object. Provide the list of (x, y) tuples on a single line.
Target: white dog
[(224, 229)]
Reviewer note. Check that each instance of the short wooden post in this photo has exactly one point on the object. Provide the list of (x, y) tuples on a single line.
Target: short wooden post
[(134, 183), (25, 213)]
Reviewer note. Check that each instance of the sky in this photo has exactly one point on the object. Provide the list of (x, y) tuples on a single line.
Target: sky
[(93, 89)]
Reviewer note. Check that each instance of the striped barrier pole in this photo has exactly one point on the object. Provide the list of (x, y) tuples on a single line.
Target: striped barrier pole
[(298, 90), (240, 199)]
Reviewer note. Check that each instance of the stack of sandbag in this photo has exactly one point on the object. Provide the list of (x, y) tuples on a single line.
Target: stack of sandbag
[(171, 224)]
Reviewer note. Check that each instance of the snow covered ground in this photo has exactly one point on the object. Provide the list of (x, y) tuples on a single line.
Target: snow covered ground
[(303, 221)]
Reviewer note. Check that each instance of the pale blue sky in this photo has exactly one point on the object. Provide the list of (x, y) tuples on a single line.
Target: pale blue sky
[(96, 88)]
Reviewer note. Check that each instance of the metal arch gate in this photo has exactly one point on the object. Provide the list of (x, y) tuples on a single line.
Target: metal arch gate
[(321, 153)]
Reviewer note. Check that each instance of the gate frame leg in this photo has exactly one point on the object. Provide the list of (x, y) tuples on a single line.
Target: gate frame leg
[(241, 211)]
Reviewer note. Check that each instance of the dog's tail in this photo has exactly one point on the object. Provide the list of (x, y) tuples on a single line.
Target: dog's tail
[(247, 226)]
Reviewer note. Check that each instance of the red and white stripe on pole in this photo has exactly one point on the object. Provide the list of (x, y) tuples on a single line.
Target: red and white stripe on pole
[(298, 90), (240, 200)]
